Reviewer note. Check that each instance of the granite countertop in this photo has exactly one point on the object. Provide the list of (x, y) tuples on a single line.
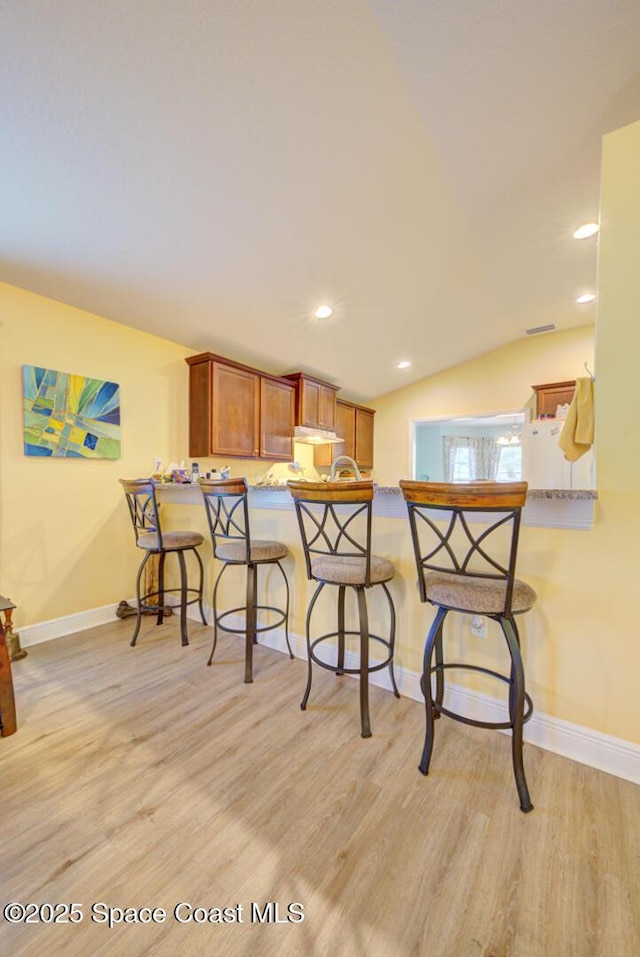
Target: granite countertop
[(378, 489), (567, 493), (547, 508), (542, 493)]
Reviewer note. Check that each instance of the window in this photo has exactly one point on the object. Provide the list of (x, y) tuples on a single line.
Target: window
[(461, 466), (509, 464)]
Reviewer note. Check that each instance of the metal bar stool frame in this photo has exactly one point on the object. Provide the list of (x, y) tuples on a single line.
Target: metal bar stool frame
[(227, 509), (436, 554), (144, 511), (327, 514)]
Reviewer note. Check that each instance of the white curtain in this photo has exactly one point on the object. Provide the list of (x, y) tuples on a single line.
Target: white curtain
[(469, 459)]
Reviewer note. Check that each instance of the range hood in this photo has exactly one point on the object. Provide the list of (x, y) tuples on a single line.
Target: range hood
[(309, 436)]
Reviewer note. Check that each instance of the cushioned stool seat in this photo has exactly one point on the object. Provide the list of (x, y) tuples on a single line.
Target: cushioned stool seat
[(351, 570), (170, 540), (477, 596), (259, 552)]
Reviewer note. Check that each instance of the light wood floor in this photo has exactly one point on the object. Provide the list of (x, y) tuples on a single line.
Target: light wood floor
[(140, 777)]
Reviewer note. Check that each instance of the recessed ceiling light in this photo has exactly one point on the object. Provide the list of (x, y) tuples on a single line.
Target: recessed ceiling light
[(404, 364), (323, 312), (587, 230), (588, 297)]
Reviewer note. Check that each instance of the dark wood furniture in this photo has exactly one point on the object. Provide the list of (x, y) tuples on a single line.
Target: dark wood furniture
[(552, 394), (354, 424), (315, 401), (228, 517), (335, 527), (463, 566), (8, 724), (237, 411)]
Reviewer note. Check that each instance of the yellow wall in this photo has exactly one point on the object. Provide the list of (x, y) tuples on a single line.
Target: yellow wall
[(66, 544)]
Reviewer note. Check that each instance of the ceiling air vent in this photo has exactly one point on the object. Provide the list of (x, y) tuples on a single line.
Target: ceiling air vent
[(536, 329)]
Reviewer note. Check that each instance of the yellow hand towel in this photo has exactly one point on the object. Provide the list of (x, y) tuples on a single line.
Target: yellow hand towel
[(576, 437)]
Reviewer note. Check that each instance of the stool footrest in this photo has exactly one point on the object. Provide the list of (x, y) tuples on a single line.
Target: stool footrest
[(501, 725), (156, 607), (333, 666), (258, 628)]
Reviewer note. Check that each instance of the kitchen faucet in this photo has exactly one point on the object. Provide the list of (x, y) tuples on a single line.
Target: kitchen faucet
[(339, 462)]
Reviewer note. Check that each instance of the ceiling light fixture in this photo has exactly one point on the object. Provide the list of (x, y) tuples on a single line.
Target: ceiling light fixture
[(586, 231), (511, 437), (323, 312), (404, 364), (587, 297)]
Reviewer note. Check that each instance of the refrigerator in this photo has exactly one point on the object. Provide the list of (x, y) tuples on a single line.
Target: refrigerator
[(543, 463)]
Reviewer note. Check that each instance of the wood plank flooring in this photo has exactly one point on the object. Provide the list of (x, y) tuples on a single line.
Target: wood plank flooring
[(141, 778)]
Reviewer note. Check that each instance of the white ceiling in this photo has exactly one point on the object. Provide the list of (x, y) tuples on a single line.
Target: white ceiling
[(211, 170)]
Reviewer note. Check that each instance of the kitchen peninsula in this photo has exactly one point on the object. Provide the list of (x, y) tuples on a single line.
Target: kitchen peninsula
[(273, 517), (553, 508)]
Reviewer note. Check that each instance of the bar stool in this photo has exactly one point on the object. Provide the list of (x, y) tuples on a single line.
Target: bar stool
[(228, 516), (471, 570), (335, 526), (145, 516)]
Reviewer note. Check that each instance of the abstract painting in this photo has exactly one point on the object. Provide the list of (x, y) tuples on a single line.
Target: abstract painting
[(70, 416)]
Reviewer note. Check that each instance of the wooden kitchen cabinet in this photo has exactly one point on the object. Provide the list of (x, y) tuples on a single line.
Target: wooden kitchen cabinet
[(354, 424), (277, 412), (551, 395), (315, 401), (364, 437), (238, 411)]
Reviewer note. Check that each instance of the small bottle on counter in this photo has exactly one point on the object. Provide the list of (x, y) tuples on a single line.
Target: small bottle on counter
[(195, 472)]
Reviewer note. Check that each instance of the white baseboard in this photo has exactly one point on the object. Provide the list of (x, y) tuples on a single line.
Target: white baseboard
[(67, 625), (602, 751)]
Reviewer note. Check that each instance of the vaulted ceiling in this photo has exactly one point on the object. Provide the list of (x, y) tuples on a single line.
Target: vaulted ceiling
[(212, 170)]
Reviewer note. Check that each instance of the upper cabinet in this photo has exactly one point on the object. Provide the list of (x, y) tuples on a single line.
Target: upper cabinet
[(238, 411), (364, 437), (315, 401), (354, 424), (277, 411), (552, 394)]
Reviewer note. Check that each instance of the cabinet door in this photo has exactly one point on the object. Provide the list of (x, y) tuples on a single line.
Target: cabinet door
[(317, 405), (363, 438), (326, 408), (309, 403), (346, 429), (277, 413), (551, 395), (200, 409), (323, 455), (235, 411)]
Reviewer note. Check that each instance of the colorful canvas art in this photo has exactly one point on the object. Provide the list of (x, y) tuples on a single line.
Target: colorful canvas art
[(70, 416)]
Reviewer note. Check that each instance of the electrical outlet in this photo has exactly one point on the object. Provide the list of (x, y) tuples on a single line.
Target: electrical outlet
[(479, 626)]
